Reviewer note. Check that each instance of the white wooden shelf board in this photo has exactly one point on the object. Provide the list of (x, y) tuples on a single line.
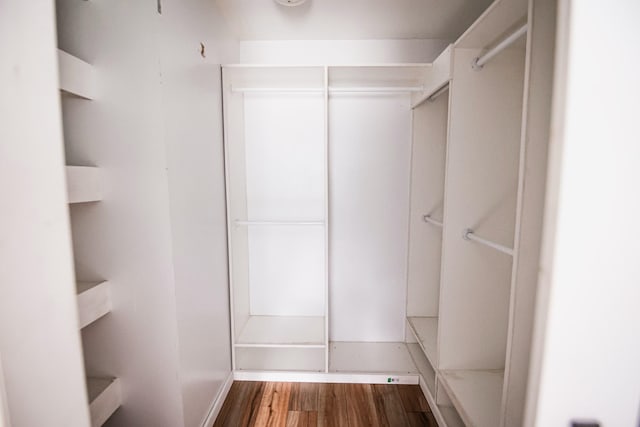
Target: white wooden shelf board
[(370, 357), (84, 184), (94, 301), (282, 331), (76, 76), (105, 396), (495, 20), (425, 330), (476, 394)]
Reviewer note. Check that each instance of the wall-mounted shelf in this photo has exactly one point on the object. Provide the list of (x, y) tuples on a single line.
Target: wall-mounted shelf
[(76, 76), (83, 184), (476, 394), (282, 331), (94, 301), (276, 223), (425, 330), (105, 396)]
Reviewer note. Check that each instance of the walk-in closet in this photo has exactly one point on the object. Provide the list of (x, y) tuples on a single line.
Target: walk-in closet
[(404, 193)]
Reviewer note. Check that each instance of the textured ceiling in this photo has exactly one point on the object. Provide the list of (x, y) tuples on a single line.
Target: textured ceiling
[(351, 19)]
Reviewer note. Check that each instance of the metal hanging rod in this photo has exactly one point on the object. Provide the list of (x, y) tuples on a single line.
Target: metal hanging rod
[(428, 219), (468, 234), (276, 223), (479, 61), (315, 90), (431, 96)]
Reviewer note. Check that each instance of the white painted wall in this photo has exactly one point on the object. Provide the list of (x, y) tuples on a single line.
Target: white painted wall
[(369, 158), (342, 52), (159, 234), (39, 339), (284, 145), (192, 121), (585, 363)]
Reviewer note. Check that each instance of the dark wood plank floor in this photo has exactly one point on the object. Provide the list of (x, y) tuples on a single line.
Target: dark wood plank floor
[(324, 405)]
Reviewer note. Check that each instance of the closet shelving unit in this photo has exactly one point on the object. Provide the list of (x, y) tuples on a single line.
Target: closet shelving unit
[(430, 126), (481, 209), (469, 292), (366, 84), (274, 328), (84, 184), (277, 212), (78, 81)]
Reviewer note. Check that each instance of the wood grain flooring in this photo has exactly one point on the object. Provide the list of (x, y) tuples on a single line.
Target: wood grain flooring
[(324, 405)]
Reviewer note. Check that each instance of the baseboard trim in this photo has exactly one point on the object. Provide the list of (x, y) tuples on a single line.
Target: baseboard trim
[(324, 377), (217, 403)]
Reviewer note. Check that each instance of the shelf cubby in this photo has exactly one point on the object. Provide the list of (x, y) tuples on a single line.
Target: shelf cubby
[(94, 301), (84, 184), (105, 397), (77, 77)]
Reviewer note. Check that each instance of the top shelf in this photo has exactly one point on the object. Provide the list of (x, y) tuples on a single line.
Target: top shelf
[(497, 20)]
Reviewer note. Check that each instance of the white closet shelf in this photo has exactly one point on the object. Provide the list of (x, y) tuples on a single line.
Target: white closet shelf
[(371, 358), (476, 394), (282, 331), (493, 22), (105, 396), (84, 184), (276, 223), (425, 330), (94, 301), (76, 76)]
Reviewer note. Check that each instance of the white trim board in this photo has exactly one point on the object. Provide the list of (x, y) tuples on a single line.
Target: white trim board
[(322, 377), (217, 403)]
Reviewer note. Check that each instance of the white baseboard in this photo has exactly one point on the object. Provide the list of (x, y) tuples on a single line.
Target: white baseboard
[(217, 403), (324, 377)]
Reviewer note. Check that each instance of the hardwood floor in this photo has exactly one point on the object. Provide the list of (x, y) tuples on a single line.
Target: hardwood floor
[(324, 405)]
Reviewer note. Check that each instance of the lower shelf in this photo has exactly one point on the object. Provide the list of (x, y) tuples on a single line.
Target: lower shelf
[(282, 331), (105, 397), (372, 358), (477, 395), (425, 330), (94, 301), (303, 359)]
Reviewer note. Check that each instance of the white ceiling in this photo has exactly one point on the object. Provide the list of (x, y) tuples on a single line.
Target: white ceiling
[(351, 19)]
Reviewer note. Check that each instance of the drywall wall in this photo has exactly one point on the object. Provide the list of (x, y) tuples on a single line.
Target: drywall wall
[(370, 162), (159, 234), (39, 341), (585, 361), (343, 52), (192, 121)]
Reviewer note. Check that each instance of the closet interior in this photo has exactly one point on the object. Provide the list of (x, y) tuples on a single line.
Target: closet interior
[(375, 218)]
